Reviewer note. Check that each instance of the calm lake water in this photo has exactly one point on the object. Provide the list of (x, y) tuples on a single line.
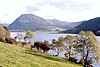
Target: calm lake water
[(49, 37), (44, 36), (40, 37)]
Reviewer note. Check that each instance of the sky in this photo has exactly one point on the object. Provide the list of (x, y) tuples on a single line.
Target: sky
[(64, 10)]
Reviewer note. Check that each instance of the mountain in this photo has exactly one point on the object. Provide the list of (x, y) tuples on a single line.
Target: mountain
[(74, 24), (36, 23), (30, 22), (4, 31), (57, 22), (5, 24), (90, 25), (60, 24), (64, 24)]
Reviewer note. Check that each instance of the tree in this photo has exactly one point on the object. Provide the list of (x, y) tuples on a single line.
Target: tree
[(46, 42), (97, 53), (29, 35), (54, 41), (87, 46), (70, 42), (58, 44), (19, 37)]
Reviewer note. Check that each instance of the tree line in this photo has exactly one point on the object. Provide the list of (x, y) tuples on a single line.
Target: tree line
[(84, 44)]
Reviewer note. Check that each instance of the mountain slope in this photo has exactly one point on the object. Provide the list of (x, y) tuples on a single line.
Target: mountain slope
[(90, 25), (30, 22), (64, 24), (60, 24), (14, 56)]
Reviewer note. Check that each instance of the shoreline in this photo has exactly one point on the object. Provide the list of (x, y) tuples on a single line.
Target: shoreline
[(45, 32)]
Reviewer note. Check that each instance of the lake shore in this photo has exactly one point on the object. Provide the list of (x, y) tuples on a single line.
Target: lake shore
[(48, 32)]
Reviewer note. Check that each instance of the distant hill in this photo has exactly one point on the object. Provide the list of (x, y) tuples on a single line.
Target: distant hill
[(5, 24), (90, 25), (64, 24), (61, 24), (57, 22), (74, 24), (30, 22)]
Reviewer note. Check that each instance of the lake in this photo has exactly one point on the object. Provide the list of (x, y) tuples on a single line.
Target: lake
[(40, 36), (44, 36), (49, 37)]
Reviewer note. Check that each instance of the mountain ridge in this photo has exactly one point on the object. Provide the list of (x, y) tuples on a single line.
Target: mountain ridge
[(35, 23), (89, 25), (64, 24), (29, 21)]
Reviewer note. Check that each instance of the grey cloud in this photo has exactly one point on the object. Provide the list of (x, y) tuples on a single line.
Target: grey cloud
[(67, 4), (32, 8)]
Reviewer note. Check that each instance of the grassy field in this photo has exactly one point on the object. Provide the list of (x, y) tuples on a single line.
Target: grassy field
[(15, 56)]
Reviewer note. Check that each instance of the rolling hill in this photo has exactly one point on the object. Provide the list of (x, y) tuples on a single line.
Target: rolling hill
[(15, 56)]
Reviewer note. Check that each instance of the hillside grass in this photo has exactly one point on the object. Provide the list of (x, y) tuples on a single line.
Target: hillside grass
[(15, 56)]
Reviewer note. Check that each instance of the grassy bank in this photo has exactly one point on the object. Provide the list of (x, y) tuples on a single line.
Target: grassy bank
[(15, 56)]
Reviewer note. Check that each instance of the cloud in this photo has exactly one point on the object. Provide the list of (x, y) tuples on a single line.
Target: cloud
[(49, 17), (31, 8), (67, 4), (69, 10), (5, 14)]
